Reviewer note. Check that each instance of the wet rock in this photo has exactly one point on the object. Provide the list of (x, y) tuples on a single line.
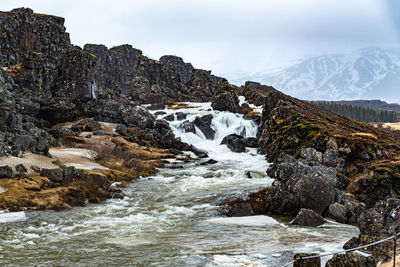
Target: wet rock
[(159, 113), (234, 142), (204, 124), (170, 117), (54, 175), (301, 186), (208, 162), (308, 217), (6, 172), (198, 152), (240, 209), (250, 142), (180, 116), (188, 127), (337, 212), (122, 129), (355, 258)]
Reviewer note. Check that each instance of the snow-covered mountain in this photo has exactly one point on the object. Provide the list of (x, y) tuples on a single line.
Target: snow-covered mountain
[(369, 73)]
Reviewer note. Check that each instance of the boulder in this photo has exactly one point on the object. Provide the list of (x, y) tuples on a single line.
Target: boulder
[(337, 212), (188, 127), (54, 175), (330, 157), (170, 117), (204, 124), (180, 116), (355, 258), (137, 116), (21, 168), (6, 172), (250, 142), (227, 101), (234, 142), (308, 217), (198, 152), (240, 209), (122, 129), (184, 70)]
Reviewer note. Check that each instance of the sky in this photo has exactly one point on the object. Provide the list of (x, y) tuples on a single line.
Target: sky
[(228, 36)]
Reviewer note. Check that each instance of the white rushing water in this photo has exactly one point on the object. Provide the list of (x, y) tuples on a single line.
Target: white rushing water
[(171, 219)]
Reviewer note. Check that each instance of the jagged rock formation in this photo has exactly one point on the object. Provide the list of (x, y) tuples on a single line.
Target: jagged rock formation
[(114, 66), (185, 70), (75, 76), (21, 30)]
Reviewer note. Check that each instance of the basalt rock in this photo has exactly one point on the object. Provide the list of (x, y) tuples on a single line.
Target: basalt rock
[(54, 175), (204, 124), (6, 172), (137, 116), (234, 142), (22, 30), (184, 70), (227, 101), (114, 66), (75, 77), (57, 110), (307, 217), (188, 127)]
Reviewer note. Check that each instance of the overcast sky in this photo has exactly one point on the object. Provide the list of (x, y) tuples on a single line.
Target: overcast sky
[(228, 36)]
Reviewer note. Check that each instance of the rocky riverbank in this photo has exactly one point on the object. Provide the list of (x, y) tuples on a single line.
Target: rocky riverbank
[(74, 121), (327, 165)]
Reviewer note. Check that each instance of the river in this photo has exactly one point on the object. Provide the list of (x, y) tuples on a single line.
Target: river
[(171, 219)]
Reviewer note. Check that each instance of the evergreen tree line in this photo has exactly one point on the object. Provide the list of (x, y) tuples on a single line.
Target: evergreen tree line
[(365, 114)]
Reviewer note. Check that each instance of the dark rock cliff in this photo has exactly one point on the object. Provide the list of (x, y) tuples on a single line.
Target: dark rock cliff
[(21, 30)]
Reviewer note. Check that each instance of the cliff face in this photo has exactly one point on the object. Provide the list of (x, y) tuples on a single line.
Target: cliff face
[(114, 66), (21, 30)]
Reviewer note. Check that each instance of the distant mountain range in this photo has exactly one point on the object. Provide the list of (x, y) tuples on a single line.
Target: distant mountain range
[(369, 73)]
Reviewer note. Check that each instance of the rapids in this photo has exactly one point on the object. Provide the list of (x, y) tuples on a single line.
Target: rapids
[(171, 219)]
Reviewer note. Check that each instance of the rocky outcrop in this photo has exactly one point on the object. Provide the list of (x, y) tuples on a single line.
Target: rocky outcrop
[(75, 76), (363, 152), (114, 67), (184, 70), (21, 30), (227, 101), (17, 132)]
